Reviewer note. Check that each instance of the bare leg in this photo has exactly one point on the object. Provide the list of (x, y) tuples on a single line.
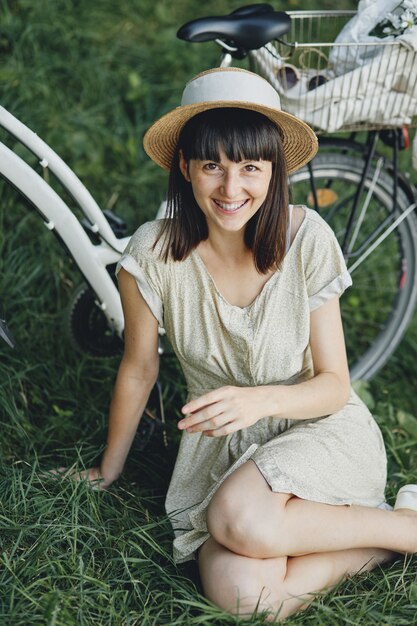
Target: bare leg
[(241, 585), (249, 519)]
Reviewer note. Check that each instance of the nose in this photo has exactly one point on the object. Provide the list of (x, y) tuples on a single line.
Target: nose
[(231, 185)]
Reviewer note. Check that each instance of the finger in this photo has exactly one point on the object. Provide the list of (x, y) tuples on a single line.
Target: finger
[(210, 424), (59, 472), (97, 484), (192, 418), (84, 475), (200, 403), (207, 413), (90, 475)]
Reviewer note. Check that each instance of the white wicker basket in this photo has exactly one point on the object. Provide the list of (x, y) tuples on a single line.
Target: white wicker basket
[(340, 86)]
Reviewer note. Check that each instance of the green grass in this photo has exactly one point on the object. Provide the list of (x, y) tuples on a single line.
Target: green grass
[(90, 78)]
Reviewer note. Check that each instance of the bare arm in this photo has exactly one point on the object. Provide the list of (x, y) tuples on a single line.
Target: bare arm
[(228, 409), (136, 376)]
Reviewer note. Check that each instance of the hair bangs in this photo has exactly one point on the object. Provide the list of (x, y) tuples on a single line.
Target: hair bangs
[(241, 134)]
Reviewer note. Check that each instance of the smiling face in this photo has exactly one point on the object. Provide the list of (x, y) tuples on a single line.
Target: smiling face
[(229, 172), (229, 193)]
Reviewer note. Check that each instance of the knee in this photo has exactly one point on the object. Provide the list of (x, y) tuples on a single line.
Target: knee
[(236, 525), (229, 522)]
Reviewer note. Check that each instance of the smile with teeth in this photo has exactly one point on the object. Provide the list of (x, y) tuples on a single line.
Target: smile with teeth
[(230, 207)]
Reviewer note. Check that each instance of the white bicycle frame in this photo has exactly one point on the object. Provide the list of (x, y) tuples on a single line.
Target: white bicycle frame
[(92, 259)]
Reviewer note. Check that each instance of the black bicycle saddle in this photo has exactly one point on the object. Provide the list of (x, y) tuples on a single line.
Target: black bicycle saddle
[(247, 28)]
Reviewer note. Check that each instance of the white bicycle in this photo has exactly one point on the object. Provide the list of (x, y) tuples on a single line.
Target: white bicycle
[(366, 200)]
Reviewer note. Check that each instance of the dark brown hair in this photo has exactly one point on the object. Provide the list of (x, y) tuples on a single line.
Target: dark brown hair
[(242, 135)]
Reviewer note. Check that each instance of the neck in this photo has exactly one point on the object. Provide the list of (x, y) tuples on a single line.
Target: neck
[(227, 246)]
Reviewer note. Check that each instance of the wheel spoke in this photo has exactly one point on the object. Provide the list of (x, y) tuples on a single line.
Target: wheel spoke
[(376, 309)]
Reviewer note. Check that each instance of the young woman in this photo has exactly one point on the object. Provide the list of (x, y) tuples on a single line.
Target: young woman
[(278, 488)]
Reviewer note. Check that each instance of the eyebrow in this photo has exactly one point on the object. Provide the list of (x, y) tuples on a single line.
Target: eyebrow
[(243, 161)]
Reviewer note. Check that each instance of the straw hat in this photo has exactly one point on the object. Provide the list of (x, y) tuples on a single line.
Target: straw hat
[(230, 87)]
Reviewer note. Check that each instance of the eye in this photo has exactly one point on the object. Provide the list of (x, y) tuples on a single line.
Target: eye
[(211, 167), (250, 167)]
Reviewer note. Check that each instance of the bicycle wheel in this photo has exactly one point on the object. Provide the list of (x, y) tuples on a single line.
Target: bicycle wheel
[(88, 327), (378, 307)]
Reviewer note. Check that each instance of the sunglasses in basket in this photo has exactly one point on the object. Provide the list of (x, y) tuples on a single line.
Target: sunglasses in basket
[(310, 61)]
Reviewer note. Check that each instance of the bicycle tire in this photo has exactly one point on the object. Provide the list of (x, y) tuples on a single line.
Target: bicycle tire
[(374, 321), (87, 326)]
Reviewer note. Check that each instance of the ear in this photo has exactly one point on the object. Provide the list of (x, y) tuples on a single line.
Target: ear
[(184, 166)]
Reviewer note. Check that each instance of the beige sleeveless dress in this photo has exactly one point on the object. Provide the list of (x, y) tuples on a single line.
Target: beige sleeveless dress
[(337, 459)]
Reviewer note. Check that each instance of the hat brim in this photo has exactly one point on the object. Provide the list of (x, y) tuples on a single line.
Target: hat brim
[(299, 140)]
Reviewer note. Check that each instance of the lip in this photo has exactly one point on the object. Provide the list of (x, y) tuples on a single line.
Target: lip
[(240, 204)]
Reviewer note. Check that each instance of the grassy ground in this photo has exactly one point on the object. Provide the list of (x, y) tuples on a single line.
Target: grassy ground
[(89, 78)]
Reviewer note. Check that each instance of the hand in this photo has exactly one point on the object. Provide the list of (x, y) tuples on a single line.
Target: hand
[(92, 476), (225, 410)]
